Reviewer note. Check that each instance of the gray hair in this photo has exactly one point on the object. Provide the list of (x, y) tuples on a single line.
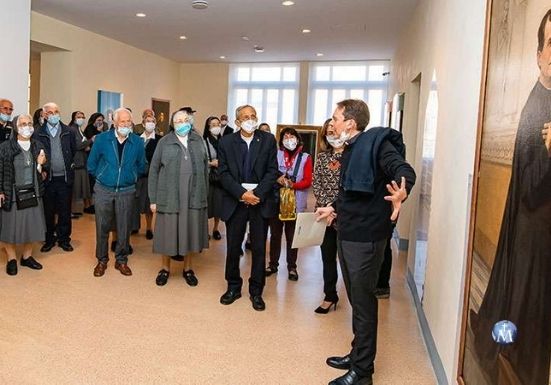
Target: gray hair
[(238, 110), (50, 106), (118, 111), (177, 114), (18, 118)]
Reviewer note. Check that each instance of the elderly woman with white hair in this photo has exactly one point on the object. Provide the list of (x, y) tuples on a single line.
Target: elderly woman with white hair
[(117, 160), (178, 191), (22, 161)]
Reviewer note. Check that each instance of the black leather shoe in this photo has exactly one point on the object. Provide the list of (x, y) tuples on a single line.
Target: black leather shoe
[(47, 247), (293, 275), (270, 270), (11, 267), (90, 210), (352, 378), (113, 246), (258, 303), (190, 278), (162, 278), (216, 235), (149, 234), (66, 246), (31, 263), (229, 297), (343, 363)]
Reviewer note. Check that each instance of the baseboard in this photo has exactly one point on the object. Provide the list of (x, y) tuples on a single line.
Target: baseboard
[(427, 335)]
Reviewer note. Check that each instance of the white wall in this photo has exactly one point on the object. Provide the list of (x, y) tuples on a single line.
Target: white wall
[(14, 73), (204, 86), (446, 37), (92, 62)]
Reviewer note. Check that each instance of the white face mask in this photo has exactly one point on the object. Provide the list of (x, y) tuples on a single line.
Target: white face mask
[(149, 127), (290, 144), (25, 131), (335, 142), (344, 136), (79, 122), (249, 125), (124, 131), (216, 130)]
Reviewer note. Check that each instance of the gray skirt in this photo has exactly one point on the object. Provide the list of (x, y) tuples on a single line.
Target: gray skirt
[(184, 232), (23, 226), (81, 186)]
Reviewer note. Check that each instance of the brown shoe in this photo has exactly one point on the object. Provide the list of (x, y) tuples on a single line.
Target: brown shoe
[(99, 270), (123, 268)]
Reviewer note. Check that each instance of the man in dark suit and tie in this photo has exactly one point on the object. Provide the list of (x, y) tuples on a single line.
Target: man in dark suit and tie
[(247, 166)]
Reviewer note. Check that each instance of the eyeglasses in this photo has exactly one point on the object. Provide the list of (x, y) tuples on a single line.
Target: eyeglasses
[(30, 125)]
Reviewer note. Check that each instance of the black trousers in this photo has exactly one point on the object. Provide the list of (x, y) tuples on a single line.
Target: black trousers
[(276, 234), (57, 201), (329, 259), (360, 265), (235, 229), (386, 267)]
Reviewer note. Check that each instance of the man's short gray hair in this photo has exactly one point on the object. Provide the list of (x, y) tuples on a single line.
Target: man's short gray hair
[(118, 111), (50, 106), (238, 110)]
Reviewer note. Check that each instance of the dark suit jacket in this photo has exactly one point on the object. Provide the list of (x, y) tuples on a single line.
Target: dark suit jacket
[(228, 130), (264, 171)]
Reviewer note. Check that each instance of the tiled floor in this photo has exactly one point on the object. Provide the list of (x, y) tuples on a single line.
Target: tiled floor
[(61, 325)]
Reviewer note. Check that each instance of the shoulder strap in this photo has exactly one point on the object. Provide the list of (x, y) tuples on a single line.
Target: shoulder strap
[(297, 165)]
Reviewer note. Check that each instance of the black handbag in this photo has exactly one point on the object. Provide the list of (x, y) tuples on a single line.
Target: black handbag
[(214, 178), (26, 196)]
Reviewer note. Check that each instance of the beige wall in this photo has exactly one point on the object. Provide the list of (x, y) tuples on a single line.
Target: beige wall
[(93, 62), (204, 86), (35, 82), (445, 37)]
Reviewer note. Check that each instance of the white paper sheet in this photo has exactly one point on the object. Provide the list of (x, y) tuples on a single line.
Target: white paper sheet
[(308, 232)]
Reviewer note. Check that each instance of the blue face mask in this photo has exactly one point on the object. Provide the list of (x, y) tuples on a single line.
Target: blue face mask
[(182, 129), (124, 131), (53, 119), (4, 117)]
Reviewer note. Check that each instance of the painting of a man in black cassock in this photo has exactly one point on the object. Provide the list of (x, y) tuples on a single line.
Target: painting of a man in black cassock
[(519, 287)]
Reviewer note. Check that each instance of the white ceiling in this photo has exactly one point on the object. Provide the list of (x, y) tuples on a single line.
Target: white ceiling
[(341, 29)]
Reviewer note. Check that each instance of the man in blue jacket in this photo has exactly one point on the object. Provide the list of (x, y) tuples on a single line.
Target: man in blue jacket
[(117, 160)]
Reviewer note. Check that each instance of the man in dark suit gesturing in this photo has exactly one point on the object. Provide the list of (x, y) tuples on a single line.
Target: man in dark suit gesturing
[(248, 171)]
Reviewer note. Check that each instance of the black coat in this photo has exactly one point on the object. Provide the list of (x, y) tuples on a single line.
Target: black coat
[(8, 151), (150, 148), (264, 171), (82, 148), (67, 146)]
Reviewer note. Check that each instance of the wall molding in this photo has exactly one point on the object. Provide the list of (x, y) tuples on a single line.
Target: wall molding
[(435, 359)]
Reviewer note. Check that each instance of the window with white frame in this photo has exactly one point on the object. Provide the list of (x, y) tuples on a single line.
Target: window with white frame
[(272, 88), (332, 82)]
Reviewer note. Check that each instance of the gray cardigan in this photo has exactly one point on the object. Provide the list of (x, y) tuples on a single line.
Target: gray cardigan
[(164, 174)]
